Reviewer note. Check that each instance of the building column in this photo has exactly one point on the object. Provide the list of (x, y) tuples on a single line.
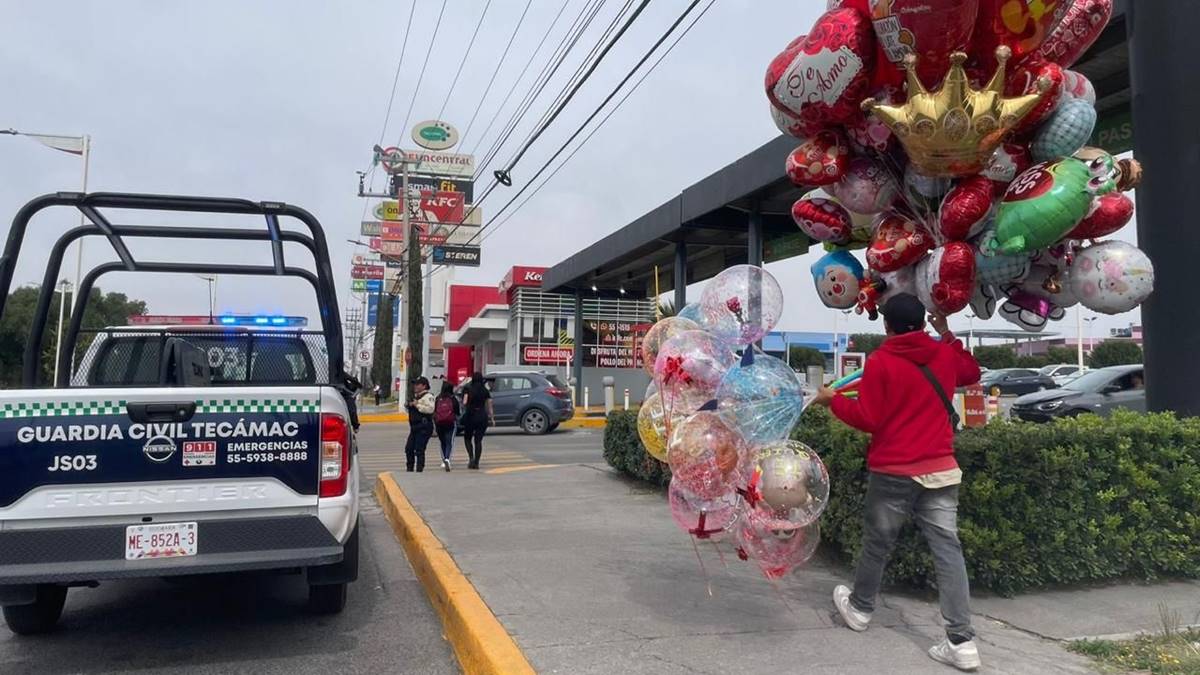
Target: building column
[(680, 280), (577, 359), (1165, 101), (754, 237)]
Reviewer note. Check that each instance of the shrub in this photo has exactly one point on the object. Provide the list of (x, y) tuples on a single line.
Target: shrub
[(1078, 500), (1115, 353), (624, 452)]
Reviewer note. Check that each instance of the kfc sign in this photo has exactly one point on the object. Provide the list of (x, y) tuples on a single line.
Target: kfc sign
[(442, 207), (530, 277)]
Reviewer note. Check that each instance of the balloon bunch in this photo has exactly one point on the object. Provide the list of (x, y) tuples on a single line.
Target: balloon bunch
[(722, 424), (947, 138)]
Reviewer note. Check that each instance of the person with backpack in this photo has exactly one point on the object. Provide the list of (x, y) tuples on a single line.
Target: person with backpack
[(446, 410), (479, 414), (904, 403), (420, 425)]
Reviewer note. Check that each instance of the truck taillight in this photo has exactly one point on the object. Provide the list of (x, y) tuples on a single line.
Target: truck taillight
[(335, 455)]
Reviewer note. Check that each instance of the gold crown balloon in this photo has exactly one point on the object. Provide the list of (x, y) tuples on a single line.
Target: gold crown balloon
[(955, 130)]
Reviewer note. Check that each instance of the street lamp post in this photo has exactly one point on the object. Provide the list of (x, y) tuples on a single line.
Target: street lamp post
[(1091, 339), (62, 288), (971, 333)]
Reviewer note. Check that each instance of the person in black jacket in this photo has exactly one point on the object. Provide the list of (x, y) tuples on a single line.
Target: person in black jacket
[(420, 425), (479, 414), (446, 410)]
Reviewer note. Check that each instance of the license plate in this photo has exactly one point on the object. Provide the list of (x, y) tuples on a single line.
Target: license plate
[(161, 540)]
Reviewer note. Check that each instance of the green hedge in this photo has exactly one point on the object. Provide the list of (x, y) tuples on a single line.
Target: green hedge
[(624, 452), (1079, 500)]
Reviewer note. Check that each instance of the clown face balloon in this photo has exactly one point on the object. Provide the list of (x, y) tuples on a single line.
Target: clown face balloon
[(838, 277), (1112, 277)]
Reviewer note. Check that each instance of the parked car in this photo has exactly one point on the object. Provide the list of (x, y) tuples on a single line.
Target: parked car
[(1016, 381), (1062, 373), (534, 401), (1097, 391)]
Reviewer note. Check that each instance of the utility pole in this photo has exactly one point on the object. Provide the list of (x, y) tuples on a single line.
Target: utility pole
[(414, 322)]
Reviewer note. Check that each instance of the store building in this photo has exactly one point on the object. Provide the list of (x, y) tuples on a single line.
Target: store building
[(519, 326)]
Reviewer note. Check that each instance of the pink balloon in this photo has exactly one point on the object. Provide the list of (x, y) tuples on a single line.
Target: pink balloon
[(777, 552), (688, 369), (867, 187), (706, 452), (703, 518)]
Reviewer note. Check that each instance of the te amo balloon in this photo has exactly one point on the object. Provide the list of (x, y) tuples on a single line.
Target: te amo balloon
[(1010, 161), (822, 77)]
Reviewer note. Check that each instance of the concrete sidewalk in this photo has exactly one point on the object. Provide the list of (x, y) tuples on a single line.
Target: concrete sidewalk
[(588, 573)]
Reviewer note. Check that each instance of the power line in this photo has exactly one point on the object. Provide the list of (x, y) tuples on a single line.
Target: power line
[(488, 89), (548, 71), (498, 224), (396, 78), (420, 77), (503, 174), (521, 76), (462, 63)]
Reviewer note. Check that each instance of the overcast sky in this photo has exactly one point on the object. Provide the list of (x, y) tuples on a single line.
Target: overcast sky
[(284, 100)]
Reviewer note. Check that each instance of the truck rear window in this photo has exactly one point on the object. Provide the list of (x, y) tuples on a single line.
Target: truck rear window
[(232, 358)]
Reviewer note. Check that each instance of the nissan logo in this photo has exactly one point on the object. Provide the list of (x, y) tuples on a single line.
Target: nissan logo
[(159, 449)]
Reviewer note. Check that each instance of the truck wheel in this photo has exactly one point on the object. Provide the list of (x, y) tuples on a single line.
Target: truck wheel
[(327, 598), (39, 617), (535, 421)]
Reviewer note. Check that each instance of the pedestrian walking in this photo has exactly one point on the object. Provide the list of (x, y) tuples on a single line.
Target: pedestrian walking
[(378, 395), (904, 403), (446, 411), (479, 414), (420, 425)]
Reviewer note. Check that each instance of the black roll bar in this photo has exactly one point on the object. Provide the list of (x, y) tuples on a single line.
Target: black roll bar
[(88, 205)]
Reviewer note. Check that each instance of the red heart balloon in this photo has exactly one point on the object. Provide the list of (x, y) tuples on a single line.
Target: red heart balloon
[(823, 220), (1110, 212), (1082, 24), (931, 29), (946, 279), (822, 79), (1010, 161), (821, 160), (898, 242), (1024, 80), (1021, 25), (966, 207)]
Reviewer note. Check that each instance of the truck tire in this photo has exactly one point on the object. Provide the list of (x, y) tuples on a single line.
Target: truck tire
[(39, 617), (327, 599), (535, 421)]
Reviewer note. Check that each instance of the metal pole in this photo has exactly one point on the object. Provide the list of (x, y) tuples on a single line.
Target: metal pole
[(87, 155), (1165, 100), (62, 301), (835, 344), (577, 358), (406, 308), (680, 274), (1079, 335)]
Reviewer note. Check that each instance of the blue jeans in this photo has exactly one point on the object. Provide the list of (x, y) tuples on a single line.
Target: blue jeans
[(891, 500), (446, 438)]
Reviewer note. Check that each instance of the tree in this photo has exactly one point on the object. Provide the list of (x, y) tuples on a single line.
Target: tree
[(1056, 355), (381, 346), (101, 310), (801, 357), (666, 308), (1115, 353), (996, 356), (416, 318), (866, 342)]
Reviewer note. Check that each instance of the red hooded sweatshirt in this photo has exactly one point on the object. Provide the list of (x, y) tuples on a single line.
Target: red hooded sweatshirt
[(909, 426)]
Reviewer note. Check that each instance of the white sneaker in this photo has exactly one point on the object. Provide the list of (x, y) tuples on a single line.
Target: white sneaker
[(855, 620), (446, 464), (964, 656)]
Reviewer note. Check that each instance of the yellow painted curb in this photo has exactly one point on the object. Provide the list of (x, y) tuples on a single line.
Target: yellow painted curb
[(479, 640), (383, 417), (584, 423)]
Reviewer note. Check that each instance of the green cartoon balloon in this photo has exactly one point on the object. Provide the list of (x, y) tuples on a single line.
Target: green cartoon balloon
[(1046, 201)]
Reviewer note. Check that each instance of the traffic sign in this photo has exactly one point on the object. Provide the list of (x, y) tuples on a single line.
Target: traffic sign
[(465, 256)]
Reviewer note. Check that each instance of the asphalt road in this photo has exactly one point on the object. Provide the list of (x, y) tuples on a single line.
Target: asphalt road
[(245, 624)]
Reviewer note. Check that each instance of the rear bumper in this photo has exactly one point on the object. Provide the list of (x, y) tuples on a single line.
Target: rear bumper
[(65, 555)]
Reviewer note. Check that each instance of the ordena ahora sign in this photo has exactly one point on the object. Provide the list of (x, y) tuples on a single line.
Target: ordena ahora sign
[(548, 355)]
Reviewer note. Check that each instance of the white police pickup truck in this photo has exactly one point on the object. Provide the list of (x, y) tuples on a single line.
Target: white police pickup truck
[(177, 450)]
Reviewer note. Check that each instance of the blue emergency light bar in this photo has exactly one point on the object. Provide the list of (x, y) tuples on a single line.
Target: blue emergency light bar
[(295, 321), (224, 320)]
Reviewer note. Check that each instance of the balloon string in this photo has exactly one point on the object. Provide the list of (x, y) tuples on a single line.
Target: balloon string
[(721, 555), (779, 594), (703, 569)]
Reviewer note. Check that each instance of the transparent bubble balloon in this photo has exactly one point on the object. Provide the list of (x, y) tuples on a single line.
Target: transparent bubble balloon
[(658, 334), (688, 369), (710, 519), (653, 426), (791, 484), (690, 311), (763, 396), (742, 304), (777, 552), (705, 454)]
